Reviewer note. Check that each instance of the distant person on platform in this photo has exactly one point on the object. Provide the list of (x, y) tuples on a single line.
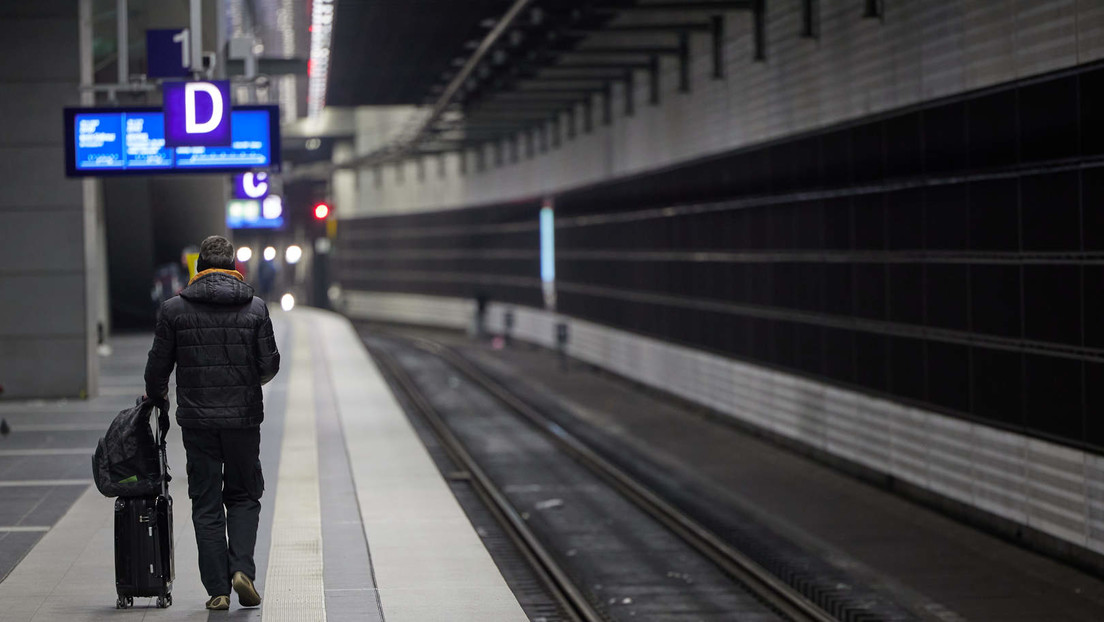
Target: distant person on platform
[(219, 337), (266, 278)]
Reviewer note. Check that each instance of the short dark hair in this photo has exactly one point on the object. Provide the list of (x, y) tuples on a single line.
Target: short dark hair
[(215, 252)]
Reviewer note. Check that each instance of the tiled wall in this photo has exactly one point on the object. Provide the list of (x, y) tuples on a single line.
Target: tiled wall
[(857, 67), (915, 288), (948, 256)]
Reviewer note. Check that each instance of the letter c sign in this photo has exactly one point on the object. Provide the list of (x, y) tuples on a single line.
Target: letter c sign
[(197, 114)]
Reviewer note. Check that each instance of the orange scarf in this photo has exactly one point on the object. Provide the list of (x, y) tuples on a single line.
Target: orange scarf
[(234, 273)]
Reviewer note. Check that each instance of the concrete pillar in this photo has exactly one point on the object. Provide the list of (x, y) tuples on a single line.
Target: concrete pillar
[(47, 297)]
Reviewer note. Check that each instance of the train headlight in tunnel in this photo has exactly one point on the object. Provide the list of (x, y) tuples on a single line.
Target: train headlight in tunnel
[(293, 254), (245, 253), (287, 302), (269, 253), (272, 207)]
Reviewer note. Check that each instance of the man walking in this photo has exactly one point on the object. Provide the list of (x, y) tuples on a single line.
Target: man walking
[(219, 337)]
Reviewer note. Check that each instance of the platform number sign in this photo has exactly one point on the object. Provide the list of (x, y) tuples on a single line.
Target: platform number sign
[(197, 114), (168, 53)]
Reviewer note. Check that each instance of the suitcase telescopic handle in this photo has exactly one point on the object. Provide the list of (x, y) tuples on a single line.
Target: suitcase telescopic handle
[(160, 433)]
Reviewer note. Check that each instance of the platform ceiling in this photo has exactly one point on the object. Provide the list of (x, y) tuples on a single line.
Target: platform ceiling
[(389, 52)]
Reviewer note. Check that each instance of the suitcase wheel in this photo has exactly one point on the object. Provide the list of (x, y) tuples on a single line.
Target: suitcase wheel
[(124, 602), (164, 602)]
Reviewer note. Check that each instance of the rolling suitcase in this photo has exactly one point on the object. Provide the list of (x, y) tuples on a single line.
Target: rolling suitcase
[(144, 544)]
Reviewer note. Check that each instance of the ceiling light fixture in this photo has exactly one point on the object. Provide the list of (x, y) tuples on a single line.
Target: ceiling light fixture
[(318, 70)]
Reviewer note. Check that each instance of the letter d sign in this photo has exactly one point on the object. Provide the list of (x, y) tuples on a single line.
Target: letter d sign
[(197, 114)]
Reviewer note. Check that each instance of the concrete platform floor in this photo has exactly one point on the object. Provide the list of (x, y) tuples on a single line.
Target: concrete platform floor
[(356, 522)]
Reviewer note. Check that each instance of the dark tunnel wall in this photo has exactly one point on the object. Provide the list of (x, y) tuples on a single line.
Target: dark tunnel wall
[(949, 255), (491, 251)]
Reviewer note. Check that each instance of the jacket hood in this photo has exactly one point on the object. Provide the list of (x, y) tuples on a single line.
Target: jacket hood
[(224, 287)]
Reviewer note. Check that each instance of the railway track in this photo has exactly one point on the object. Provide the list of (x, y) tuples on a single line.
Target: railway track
[(750, 576)]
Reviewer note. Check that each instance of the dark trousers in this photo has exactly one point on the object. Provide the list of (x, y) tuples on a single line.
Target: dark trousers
[(225, 484)]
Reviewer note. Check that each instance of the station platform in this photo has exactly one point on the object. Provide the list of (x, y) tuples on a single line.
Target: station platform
[(357, 522)]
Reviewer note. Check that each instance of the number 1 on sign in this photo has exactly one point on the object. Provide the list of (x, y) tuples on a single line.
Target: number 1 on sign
[(185, 55)]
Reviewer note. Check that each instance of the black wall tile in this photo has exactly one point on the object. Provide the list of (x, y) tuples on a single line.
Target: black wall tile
[(1092, 208), (839, 355), (995, 299), (904, 146), (809, 343), (947, 217), (993, 130), (809, 225), (867, 148), (1048, 113), (1093, 295), (907, 368), (946, 296), (948, 375), (838, 292), (945, 139), (869, 213), (996, 385), (872, 361), (1051, 212), (1091, 108), (1054, 394), (1052, 303), (837, 224), (905, 219), (835, 158), (1094, 402), (994, 215), (869, 283), (906, 293)]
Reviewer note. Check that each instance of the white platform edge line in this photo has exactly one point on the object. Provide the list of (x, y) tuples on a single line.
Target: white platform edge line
[(428, 560), (294, 589)]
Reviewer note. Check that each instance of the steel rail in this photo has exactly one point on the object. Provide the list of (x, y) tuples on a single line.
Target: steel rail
[(571, 599), (772, 590)]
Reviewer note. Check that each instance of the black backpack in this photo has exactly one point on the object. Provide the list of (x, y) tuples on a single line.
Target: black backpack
[(127, 462)]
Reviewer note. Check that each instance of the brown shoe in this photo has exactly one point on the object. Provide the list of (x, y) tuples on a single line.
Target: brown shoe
[(247, 594), (219, 603)]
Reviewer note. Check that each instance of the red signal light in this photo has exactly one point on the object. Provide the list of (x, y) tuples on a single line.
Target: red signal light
[(321, 211)]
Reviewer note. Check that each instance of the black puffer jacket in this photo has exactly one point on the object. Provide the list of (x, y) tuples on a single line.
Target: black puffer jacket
[(220, 338)]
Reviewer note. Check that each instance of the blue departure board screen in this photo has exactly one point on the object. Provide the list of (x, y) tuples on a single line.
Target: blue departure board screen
[(121, 141)]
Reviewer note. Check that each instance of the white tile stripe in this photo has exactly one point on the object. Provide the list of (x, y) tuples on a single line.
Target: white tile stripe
[(994, 470), (293, 583)]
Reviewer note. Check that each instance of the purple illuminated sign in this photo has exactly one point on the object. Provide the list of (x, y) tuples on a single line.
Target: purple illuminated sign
[(251, 186), (197, 114)]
